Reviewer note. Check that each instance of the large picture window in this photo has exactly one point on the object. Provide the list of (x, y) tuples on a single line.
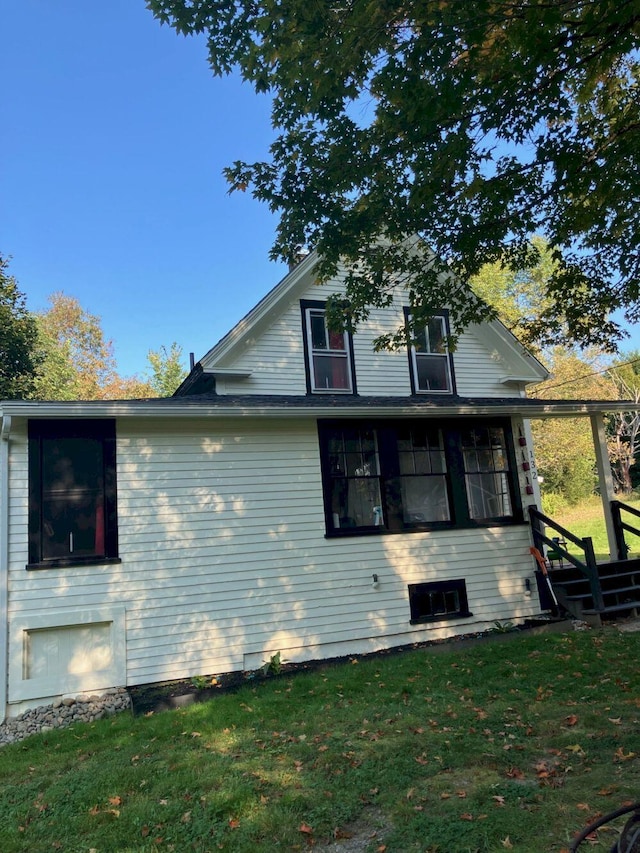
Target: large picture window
[(328, 353), (431, 367), (72, 492), (415, 475)]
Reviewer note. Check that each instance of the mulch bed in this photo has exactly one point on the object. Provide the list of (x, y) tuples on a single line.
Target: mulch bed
[(167, 695)]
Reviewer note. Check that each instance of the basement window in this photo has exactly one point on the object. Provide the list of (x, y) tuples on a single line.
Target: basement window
[(431, 602)]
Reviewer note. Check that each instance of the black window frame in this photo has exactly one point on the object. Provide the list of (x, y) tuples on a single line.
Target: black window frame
[(412, 355), (307, 305), (46, 430), (393, 519), (431, 591)]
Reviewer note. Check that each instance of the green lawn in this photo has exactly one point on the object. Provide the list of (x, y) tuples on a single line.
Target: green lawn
[(587, 519), (513, 744)]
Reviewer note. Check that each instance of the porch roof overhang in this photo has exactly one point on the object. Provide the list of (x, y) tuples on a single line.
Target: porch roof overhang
[(320, 406)]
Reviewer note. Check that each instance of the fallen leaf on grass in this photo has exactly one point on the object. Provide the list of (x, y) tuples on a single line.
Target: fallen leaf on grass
[(466, 816), (506, 842), (514, 773), (499, 799), (304, 827), (571, 720), (620, 755), (341, 833), (115, 801), (233, 823)]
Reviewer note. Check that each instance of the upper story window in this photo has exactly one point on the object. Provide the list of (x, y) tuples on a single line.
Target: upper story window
[(329, 354), (431, 363), (72, 492)]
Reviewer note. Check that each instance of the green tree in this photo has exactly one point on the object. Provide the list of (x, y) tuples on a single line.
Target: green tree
[(565, 455), (76, 361), (167, 370), (17, 339), (519, 297), (473, 125)]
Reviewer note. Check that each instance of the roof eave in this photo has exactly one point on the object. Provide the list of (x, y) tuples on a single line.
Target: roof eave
[(208, 408)]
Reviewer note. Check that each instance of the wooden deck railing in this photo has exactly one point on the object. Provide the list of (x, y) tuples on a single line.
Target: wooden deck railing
[(587, 566), (619, 526)]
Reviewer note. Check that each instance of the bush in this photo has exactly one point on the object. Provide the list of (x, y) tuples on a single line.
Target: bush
[(553, 503)]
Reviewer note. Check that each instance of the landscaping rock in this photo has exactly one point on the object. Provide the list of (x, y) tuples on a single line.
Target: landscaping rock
[(62, 713)]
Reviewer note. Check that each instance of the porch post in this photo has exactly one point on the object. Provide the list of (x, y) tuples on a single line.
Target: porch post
[(605, 480)]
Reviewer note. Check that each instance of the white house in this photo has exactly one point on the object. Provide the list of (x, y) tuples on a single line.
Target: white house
[(299, 494)]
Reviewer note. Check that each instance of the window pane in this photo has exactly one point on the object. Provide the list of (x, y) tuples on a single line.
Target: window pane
[(331, 372), (356, 503), (70, 525), (318, 330), (433, 372), (355, 486), (424, 499), (486, 472), (488, 495), (337, 341), (436, 335), (72, 498), (71, 462)]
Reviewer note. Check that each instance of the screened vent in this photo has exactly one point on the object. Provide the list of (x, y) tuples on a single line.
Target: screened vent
[(431, 602)]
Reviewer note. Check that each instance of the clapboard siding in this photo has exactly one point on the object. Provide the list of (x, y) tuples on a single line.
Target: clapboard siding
[(478, 371), (224, 557), (275, 356)]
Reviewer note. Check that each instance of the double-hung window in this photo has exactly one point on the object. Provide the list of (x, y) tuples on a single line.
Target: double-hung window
[(431, 369), (391, 476), (486, 471), (328, 353), (72, 492)]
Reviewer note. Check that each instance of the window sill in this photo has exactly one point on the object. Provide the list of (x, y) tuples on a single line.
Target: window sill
[(441, 617), (347, 532), (67, 563)]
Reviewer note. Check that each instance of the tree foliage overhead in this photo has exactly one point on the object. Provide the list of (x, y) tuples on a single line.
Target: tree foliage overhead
[(474, 125), (17, 339)]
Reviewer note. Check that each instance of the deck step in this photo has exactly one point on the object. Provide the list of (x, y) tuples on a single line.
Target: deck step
[(613, 608)]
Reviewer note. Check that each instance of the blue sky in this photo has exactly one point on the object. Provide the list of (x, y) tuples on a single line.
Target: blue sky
[(114, 137)]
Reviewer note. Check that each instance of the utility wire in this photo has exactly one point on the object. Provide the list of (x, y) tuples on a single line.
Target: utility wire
[(588, 375)]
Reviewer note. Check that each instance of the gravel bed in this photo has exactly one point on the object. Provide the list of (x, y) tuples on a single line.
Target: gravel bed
[(64, 712)]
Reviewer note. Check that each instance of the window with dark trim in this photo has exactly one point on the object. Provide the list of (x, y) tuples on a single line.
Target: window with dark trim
[(72, 492), (429, 357), (391, 476), (430, 602), (328, 355)]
